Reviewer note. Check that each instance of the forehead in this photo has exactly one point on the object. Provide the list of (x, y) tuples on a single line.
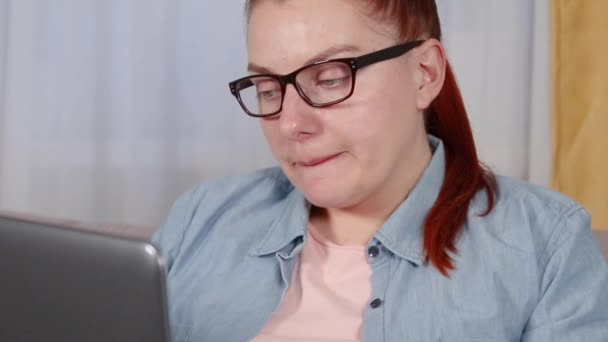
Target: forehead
[(283, 35)]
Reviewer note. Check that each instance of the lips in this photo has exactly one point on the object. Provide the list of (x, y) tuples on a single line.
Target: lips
[(316, 161)]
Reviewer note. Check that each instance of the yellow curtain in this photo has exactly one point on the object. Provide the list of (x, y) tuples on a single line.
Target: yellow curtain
[(580, 103)]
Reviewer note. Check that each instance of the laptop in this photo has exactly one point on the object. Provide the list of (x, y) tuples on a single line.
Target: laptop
[(61, 284)]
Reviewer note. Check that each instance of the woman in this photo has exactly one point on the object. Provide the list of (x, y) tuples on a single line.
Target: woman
[(380, 224)]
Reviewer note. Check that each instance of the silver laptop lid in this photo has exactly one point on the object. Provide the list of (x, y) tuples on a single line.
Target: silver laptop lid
[(61, 284)]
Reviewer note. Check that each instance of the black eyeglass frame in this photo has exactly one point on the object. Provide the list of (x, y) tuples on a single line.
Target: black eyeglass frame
[(354, 63)]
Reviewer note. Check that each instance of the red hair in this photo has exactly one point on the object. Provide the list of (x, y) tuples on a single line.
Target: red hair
[(447, 119)]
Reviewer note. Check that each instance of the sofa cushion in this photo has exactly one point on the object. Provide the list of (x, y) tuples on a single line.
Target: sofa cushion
[(128, 230)]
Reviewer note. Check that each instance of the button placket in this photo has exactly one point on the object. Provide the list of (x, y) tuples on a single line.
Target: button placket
[(374, 320)]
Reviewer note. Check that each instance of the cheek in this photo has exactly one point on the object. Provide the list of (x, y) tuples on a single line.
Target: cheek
[(271, 133), (382, 115), (364, 130), (382, 126)]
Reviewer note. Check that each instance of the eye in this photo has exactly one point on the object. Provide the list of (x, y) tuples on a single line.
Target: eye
[(331, 83), (332, 76), (269, 94), (268, 89)]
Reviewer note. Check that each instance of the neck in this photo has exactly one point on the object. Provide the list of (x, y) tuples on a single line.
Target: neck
[(357, 224)]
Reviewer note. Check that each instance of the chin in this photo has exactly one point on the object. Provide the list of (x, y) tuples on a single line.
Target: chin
[(327, 196), (330, 187)]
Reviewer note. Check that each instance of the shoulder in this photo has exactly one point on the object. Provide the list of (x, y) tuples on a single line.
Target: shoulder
[(241, 203), (254, 187), (242, 191), (533, 200), (534, 253), (528, 217)]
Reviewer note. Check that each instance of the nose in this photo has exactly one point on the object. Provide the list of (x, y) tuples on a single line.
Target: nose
[(298, 120)]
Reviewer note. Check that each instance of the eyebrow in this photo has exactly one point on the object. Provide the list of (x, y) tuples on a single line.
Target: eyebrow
[(321, 56)]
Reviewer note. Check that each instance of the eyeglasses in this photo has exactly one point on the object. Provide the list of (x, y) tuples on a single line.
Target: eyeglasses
[(319, 84)]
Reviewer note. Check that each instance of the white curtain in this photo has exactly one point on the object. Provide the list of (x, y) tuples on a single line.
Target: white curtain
[(111, 108), (499, 50)]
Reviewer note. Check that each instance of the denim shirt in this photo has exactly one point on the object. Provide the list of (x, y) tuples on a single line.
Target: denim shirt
[(528, 271)]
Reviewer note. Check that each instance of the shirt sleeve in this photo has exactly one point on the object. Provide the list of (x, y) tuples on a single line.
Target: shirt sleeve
[(574, 287)]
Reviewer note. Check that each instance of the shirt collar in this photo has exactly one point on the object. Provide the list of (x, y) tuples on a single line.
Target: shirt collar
[(290, 224), (401, 233)]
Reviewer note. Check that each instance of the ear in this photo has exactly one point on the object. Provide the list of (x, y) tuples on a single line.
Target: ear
[(430, 72)]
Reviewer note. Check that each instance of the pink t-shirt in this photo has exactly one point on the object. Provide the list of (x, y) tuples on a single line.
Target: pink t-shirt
[(329, 291)]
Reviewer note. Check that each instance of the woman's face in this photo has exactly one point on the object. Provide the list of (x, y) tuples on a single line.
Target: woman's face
[(344, 154)]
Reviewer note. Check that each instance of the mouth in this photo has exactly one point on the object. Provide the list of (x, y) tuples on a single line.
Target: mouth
[(316, 161)]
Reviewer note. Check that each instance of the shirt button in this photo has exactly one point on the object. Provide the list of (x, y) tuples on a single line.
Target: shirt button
[(375, 303), (373, 251)]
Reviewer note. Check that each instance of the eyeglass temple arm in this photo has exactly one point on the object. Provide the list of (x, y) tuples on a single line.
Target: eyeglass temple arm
[(386, 54)]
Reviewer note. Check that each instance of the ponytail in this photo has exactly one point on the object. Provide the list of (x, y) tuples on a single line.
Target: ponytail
[(464, 175)]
